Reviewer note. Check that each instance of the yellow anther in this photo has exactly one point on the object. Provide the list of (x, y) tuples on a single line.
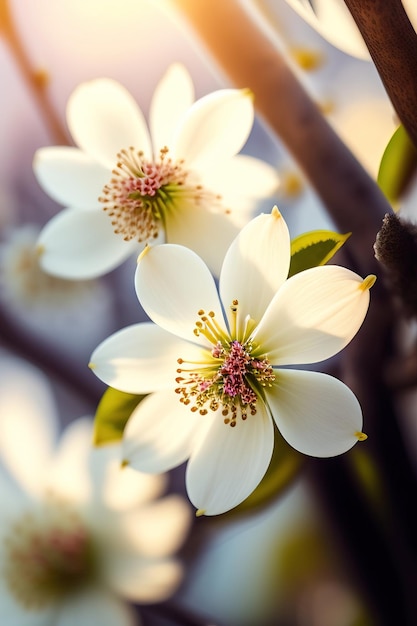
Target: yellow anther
[(361, 436), (291, 185), (326, 106), (142, 254), (124, 463), (308, 60), (248, 93), (92, 366), (200, 512), (367, 282)]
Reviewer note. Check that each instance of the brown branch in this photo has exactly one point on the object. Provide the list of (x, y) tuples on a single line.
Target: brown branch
[(37, 81), (392, 44)]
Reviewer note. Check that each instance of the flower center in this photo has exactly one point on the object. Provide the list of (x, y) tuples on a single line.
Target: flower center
[(231, 377), (48, 553), (141, 192)]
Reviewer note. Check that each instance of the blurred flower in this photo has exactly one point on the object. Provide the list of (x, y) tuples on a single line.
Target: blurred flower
[(348, 90), (229, 369), (78, 535), (75, 314), (166, 181), (333, 20)]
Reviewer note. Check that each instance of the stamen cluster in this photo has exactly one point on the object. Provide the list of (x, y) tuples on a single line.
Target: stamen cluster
[(47, 555), (230, 378), (141, 192)]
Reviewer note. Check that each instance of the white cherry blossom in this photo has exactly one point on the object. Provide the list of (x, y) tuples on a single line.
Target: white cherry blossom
[(216, 368), (125, 185), (80, 537)]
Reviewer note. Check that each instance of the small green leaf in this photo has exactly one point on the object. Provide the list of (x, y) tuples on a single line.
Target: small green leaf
[(314, 248), (285, 466), (113, 411), (398, 164)]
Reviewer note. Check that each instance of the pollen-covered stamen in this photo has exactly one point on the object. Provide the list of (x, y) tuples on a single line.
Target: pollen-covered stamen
[(142, 191), (47, 554), (229, 377)]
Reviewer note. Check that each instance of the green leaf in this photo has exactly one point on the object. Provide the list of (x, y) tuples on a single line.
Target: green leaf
[(285, 466), (314, 248), (397, 166), (113, 411)]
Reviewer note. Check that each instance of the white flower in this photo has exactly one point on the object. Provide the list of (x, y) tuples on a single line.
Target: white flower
[(73, 314), (179, 180), (333, 20), (217, 381), (78, 535)]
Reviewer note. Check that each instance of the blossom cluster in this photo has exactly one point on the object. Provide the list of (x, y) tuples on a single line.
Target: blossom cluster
[(218, 366)]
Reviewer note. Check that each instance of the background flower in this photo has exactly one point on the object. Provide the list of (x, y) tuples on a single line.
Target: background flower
[(78, 534), (183, 179)]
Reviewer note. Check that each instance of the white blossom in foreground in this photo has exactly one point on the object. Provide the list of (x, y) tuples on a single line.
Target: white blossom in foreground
[(79, 536), (218, 379), (125, 185)]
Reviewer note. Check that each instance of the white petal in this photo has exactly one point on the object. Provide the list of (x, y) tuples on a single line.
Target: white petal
[(14, 614), (69, 474), (209, 234), (27, 423), (215, 128), (316, 413), (141, 358), (118, 488), (255, 266), (313, 316), (96, 607), (81, 244), (70, 176), (181, 286), (104, 118), (230, 462), (159, 529), (143, 581), (333, 21), (160, 433), (172, 97), (242, 175)]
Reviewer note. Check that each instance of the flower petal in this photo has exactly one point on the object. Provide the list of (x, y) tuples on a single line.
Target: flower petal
[(104, 118), (81, 244), (160, 433), (28, 425), (242, 175), (122, 488), (316, 413), (255, 266), (181, 286), (159, 529), (209, 234), (172, 97), (215, 128), (141, 358), (143, 580), (12, 613), (313, 316), (333, 21), (70, 176), (230, 462), (95, 607), (68, 473)]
